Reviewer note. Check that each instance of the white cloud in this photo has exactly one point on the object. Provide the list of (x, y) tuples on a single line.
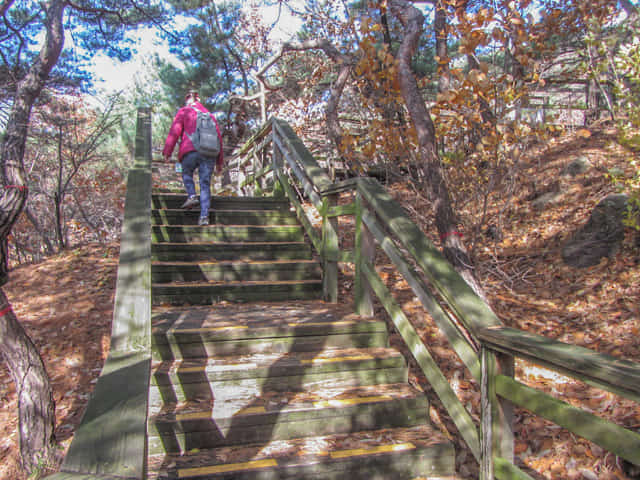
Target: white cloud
[(113, 75)]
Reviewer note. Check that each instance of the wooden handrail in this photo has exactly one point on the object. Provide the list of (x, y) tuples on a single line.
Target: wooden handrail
[(603, 371), (110, 442), (468, 307)]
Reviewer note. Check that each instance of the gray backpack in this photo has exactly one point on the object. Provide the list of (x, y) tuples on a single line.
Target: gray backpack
[(205, 138)]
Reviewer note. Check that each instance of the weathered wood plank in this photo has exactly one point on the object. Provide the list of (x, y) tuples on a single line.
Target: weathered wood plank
[(338, 187), (608, 435), (330, 249), (111, 438), (339, 210), (142, 153), (459, 342), (364, 252), (315, 237), (497, 414), (437, 380), (609, 372), (81, 476), (255, 138), (255, 176), (505, 470), (307, 185), (317, 175), (470, 309)]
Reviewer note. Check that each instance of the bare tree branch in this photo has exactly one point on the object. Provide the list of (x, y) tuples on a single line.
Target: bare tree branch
[(323, 44)]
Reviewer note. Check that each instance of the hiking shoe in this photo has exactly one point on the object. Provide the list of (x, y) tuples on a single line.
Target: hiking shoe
[(203, 221), (191, 202)]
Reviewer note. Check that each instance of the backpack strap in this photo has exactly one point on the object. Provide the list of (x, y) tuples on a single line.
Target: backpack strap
[(200, 111)]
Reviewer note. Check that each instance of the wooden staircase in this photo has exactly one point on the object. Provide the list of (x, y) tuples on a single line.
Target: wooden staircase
[(252, 250), (293, 389)]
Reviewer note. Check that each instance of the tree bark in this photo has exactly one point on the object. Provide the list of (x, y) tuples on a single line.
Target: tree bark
[(35, 398), (36, 409), (331, 111), (58, 196), (48, 247), (440, 26), (432, 177)]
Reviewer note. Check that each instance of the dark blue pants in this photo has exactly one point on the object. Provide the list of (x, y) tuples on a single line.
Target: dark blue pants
[(205, 165)]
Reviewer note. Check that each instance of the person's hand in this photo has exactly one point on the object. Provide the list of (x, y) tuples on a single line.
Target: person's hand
[(167, 158)]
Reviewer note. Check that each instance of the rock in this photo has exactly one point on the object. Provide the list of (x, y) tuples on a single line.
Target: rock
[(601, 236), (545, 200), (577, 167)]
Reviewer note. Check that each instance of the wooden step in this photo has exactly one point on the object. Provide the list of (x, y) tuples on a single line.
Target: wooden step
[(199, 378), (402, 453), (220, 251), (228, 271), (227, 233), (224, 217), (207, 293), (175, 201), (233, 419), (201, 332), (257, 321)]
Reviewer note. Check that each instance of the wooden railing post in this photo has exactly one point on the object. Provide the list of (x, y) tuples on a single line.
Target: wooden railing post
[(364, 252), (497, 414), (278, 166), (330, 250)]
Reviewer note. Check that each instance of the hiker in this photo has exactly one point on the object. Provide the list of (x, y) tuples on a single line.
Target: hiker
[(183, 128)]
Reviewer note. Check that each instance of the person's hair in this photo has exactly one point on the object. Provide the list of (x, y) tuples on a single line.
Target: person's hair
[(193, 95)]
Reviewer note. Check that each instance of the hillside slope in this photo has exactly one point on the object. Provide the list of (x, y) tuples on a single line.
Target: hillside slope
[(530, 288), (66, 304)]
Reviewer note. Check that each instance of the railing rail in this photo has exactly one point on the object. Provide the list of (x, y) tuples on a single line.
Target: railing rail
[(110, 442), (486, 347)]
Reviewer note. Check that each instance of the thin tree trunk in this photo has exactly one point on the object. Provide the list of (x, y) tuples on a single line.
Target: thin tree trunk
[(58, 196), (432, 177), (440, 26), (488, 117), (48, 247), (36, 409), (331, 111)]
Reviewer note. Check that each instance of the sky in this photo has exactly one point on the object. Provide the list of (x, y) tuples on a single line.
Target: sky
[(112, 75)]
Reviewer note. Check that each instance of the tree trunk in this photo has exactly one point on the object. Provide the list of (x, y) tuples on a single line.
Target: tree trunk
[(440, 26), (331, 111), (48, 247), (58, 196), (488, 117), (35, 398), (36, 408), (432, 177)]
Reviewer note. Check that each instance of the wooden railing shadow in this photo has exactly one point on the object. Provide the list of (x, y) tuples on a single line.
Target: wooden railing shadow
[(275, 161), (110, 442)]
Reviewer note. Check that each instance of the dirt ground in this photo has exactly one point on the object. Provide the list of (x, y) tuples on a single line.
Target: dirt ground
[(65, 303)]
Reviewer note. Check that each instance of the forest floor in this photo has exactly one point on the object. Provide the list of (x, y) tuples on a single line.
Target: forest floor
[(65, 303)]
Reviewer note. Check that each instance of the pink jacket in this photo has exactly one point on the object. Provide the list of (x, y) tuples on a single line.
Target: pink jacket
[(185, 123)]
